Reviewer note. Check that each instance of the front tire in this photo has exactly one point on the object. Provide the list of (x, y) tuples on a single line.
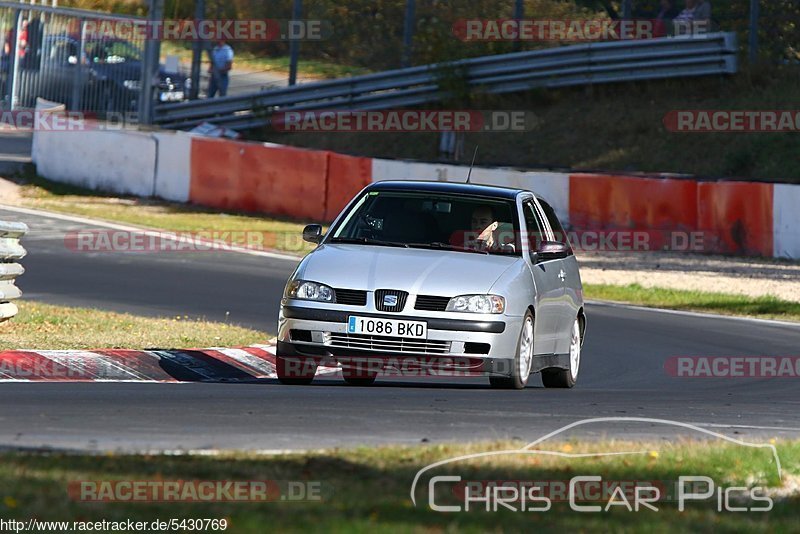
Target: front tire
[(295, 372), (523, 359), (566, 378), (356, 375)]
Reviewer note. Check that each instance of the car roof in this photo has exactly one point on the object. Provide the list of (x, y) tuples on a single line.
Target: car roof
[(446, 187)]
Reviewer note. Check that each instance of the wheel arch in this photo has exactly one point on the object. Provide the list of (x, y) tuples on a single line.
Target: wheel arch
[(582, 324)]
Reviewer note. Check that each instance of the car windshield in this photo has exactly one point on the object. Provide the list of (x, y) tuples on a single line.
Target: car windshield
[(112, 51), (408, 219)]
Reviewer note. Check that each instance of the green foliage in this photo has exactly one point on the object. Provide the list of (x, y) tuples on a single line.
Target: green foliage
[(369, 33)]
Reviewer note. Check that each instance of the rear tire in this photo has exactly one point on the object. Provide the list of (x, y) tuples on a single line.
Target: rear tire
[(523, 359), (566, 378), (295, 372)]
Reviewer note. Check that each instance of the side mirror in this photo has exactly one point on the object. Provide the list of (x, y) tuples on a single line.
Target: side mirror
[(552, 250), (312, 233)]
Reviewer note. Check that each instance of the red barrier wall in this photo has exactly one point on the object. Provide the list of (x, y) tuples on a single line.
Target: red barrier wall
[(347, 175), (259, 178), (736, 217), (732, 217), (658, 207)]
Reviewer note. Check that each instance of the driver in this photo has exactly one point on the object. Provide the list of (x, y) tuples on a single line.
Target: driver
[(483, 226)]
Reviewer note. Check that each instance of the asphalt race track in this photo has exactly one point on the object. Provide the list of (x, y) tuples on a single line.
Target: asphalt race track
[(622, 372)]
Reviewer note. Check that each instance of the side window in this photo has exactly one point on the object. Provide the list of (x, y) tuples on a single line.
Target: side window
[(533, 223), (558, 230)]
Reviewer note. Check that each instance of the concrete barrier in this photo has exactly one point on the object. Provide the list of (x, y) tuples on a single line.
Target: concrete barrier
[(173, 166), (11, 252), (736, 217), (786, 221)]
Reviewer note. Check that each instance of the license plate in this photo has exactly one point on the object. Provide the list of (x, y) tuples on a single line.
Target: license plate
[(387, 327), (171, 96)]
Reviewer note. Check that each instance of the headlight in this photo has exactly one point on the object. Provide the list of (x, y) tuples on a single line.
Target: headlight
[(133, 85), (477, 304), (300, 289)]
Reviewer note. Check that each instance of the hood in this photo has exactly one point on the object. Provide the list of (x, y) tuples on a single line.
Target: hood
[(132, 70), (418, 271)]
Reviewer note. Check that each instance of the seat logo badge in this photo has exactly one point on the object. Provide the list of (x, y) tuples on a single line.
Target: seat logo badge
[(390, 300)]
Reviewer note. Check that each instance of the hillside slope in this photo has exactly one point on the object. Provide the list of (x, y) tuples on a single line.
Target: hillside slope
[(613, 128)]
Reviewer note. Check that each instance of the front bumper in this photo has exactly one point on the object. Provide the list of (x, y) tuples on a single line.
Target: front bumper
[(466, 346)]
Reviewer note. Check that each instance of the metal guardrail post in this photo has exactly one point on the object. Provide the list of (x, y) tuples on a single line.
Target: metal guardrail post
[(11, 251)]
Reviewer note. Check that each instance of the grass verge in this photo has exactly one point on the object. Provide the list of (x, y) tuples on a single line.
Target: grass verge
[(367, 489), (44, 326), (258, 231), (675, 299)]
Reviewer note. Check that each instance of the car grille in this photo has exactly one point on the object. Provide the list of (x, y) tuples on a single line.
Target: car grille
[(351, 297), (431, 303), (388, 344), (401, 296)]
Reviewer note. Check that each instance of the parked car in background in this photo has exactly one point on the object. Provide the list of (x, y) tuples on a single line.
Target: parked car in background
[(107, 72), (456, 278)]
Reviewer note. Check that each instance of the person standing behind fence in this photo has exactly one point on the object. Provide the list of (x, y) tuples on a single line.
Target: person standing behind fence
[(702, 16), (221, 64)]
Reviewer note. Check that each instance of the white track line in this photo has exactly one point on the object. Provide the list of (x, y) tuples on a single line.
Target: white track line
[(150, 232), (772, 322)]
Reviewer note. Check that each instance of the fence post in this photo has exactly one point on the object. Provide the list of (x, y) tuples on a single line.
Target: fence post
[(408, 31), (197, 50), (77, 76), (754, 15), (150, 64), (519, 14), (294, 44), (13, 70)]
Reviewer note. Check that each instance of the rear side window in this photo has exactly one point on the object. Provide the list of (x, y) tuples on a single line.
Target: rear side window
[(558, 230), (536, 230)]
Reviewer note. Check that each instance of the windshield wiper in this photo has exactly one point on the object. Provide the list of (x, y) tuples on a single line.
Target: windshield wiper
[(445, 246), (367, 241)]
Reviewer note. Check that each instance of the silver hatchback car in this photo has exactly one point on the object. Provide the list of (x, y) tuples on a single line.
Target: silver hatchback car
[(439, 278)]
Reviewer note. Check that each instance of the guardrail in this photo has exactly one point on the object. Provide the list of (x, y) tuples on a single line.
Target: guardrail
[(11, 251), (621, 61)]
